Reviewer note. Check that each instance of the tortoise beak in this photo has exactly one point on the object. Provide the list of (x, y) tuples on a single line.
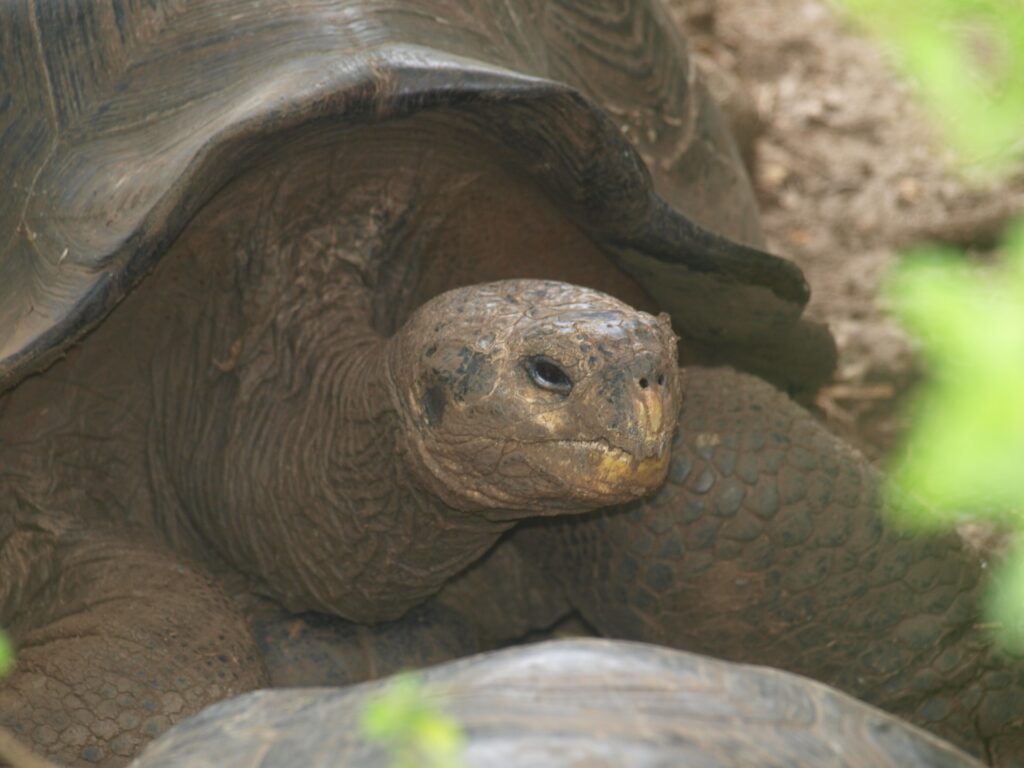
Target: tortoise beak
[(651, 417), (641, 462)]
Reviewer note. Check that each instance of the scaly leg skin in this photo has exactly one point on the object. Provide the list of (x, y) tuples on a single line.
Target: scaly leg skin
[(117, 640), (767, 545), (314, 649)]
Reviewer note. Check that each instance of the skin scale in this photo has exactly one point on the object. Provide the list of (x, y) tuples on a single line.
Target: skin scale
[(265, 233)]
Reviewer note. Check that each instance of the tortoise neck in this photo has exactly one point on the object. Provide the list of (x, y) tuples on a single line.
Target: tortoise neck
[(285, 456)]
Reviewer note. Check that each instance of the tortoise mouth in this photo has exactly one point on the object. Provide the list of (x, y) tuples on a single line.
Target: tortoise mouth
[(609, 472)]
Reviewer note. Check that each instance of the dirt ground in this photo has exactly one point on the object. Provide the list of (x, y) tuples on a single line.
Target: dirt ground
[(847, 172)]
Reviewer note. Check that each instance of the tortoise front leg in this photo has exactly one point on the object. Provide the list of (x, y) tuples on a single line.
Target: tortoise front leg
[(767, 545), (117, 640), (501, 599)]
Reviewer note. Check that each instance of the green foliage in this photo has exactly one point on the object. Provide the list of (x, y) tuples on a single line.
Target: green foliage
[(964, 454), (967, 57), (965, 450), (6, 655), (416, 732), (966, 445)]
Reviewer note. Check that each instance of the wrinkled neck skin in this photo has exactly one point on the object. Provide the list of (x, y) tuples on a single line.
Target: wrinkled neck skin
[(281, 448)]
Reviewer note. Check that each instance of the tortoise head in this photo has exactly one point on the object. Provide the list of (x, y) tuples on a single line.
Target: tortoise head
[(526, 396)]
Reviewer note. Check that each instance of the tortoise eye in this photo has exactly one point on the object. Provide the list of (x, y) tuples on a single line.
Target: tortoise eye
[(547, 374)]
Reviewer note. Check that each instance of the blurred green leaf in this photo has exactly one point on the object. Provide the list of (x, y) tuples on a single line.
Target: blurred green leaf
[(967, 59), (966, 442), (965, 447), (6, 655), (416, 732)]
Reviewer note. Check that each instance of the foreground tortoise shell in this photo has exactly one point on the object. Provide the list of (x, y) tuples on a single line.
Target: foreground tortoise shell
[(121, 120), (572, 703)]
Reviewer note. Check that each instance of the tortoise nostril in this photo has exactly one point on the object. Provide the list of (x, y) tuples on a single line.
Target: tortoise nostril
[(661, 379), (643, 383)]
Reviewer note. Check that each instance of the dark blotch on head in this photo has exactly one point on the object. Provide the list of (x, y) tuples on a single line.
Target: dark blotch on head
[(434, 405), (473, 375)]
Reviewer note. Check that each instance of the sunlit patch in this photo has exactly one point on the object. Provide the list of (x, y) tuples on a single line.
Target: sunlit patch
[(554, 421), (707, 439), (652, 411)]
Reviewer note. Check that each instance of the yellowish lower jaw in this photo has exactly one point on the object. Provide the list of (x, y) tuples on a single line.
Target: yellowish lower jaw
[(618, 470)]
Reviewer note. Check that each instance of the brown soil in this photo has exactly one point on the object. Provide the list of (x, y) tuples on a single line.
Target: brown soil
[(847, 171)]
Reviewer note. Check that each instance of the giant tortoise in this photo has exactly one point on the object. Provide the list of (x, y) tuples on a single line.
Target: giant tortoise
[(307, 308)]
